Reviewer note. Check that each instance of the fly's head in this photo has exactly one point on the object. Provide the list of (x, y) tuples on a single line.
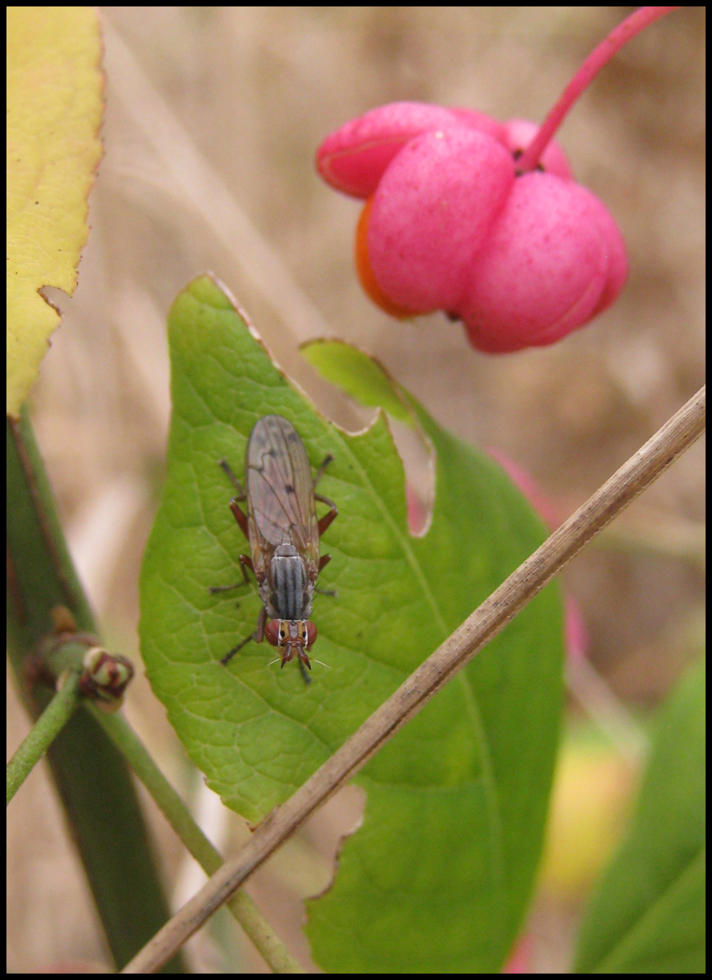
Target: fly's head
[(293, 637)]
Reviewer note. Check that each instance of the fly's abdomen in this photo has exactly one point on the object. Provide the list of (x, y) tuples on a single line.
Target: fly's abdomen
[(288, 580)]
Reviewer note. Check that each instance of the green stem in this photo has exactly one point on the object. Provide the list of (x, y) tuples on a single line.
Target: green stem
[(94, 785), (177, 814), (43, 732)]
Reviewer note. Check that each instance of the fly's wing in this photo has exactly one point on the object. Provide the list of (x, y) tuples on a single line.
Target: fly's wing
[(280, 493)]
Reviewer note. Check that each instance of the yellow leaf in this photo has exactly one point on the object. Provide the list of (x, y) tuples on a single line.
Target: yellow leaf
[(54, 109), (588, 809)]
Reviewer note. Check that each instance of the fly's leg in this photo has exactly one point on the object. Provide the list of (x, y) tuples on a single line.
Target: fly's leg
[(257, 636), (239, 515), (326, 520), (245, 563), (237, 511), (303, 671), (324, 560), (231, 653), (223, 463), (320, 472)]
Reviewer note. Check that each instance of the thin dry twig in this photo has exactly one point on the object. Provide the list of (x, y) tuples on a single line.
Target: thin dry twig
[(632, 478)]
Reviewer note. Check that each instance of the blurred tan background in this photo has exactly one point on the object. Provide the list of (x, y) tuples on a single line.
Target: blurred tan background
[(213, 117)]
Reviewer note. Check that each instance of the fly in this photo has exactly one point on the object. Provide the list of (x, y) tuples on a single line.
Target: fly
[(283, 530)]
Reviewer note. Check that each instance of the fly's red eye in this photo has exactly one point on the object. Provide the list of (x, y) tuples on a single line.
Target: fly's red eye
[(273, 631), (311, 634)]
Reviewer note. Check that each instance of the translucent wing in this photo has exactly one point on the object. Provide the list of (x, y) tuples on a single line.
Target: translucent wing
[(280, 493)]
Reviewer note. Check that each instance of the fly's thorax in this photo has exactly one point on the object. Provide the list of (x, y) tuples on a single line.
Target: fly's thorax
[(290, 589)]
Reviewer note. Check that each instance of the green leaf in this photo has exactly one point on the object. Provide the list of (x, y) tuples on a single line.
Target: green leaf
[(648, 913), (439, 874), (359, 376)]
